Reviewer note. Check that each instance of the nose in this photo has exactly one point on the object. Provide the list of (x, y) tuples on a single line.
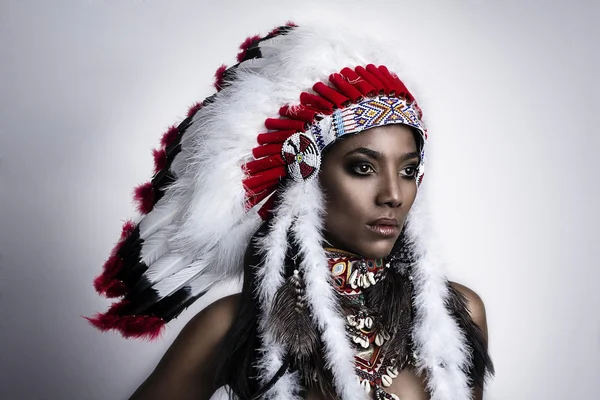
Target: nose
[(390, 191)]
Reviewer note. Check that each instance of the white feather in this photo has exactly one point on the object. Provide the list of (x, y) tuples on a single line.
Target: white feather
[(179, 279), (161, 216), (155, 246), (165, 266), (320, 293)]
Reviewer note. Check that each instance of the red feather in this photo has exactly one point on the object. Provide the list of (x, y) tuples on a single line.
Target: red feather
[(138, 326), (194, 109), (169, 136), (219, 77), (160, 159), (244, 47), (144, 196)]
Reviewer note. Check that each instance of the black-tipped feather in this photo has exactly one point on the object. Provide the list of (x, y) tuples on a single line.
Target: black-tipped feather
[(131, 247), (131, 274)]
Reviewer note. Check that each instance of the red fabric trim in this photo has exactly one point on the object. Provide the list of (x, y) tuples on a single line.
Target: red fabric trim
[(299, 113), (390, 88), (256, 166), (376, 83), (255, 199), (274, 137), (285, 124), (266, 150), (345, 87), (270, 175), (144, 196), (219, 77), (358, 82), (262, 188), (332, 95), (267, 208), (169, 136), (401, 91), (316, 102)]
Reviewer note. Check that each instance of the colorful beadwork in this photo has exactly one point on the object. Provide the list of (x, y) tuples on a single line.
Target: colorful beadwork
[(374, 112), (301, 157)]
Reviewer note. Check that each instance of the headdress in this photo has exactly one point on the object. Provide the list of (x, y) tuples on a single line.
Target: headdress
[(250, 153)]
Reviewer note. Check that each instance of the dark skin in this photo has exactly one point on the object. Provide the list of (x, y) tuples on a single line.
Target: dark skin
[(365, 177)]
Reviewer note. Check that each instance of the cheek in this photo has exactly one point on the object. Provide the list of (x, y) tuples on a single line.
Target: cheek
[(347, 203)]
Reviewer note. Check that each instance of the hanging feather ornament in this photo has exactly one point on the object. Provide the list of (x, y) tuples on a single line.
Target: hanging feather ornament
[(291, 324)]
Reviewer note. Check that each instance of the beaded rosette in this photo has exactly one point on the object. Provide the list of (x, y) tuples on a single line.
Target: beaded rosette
[(352, 274)]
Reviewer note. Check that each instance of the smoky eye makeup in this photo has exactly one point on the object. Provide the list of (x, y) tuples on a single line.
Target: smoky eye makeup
[(359, 166)]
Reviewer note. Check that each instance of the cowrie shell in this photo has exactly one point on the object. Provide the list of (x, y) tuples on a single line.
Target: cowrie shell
[(392, 372), (378, 340), (361, 281), (394, 397), (366, 282), (369, 322), (371, 277), (353, 279), (361, 323), (386, 381), (351, 320)]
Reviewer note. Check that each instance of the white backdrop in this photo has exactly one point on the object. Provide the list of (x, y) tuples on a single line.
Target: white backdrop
[(510, 91)]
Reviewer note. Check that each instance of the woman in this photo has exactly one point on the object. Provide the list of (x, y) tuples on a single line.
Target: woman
[(343, 296)]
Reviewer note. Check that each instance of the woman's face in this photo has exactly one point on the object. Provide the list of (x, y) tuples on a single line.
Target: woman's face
[(369, 184)]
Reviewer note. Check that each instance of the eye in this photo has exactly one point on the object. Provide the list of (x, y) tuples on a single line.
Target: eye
[(363, 169), (409, 172)]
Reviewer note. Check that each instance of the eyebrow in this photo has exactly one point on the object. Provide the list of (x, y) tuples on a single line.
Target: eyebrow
[(378, 156)]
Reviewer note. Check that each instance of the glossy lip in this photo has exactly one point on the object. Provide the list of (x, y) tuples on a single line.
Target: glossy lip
[(387, 227)]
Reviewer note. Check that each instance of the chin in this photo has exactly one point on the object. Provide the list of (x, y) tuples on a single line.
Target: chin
[(376, 250)]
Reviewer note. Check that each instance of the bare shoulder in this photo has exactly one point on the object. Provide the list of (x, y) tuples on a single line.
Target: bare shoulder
[(474, 303), (214, 321), (186, 370)]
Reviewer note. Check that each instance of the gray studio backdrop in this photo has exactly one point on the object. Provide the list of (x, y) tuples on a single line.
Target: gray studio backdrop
[(510, 89)]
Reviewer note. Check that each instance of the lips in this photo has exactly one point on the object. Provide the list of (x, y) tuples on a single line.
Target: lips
[(386, 227)]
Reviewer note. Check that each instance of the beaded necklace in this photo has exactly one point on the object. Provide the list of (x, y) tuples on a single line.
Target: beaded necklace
[(352, 274)]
